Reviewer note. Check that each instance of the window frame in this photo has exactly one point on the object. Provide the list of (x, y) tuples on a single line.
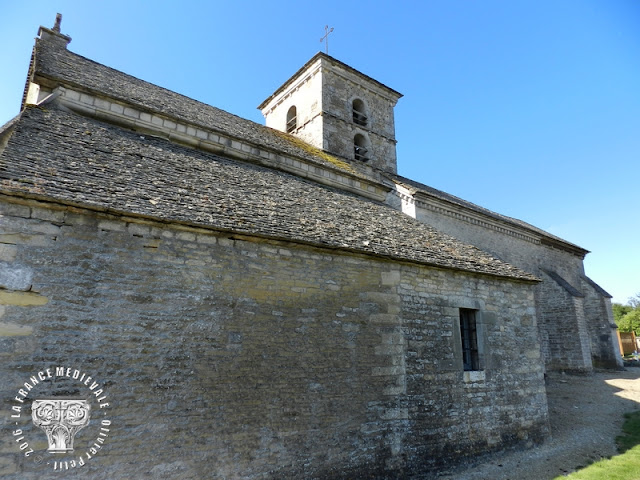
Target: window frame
[(359, 117), (361, 148), (470, 343), (291, 122)]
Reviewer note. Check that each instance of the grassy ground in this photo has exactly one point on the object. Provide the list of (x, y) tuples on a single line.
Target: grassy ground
[(625, 466)]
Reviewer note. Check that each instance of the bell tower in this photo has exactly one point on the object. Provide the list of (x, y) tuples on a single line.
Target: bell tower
[(336, 108)]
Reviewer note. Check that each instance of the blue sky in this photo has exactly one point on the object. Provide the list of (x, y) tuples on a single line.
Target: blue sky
[(528, 108)]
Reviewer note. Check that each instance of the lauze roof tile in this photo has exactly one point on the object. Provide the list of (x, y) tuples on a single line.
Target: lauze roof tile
[(57, 155)]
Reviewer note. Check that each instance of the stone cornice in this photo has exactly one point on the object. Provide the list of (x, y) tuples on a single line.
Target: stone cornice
[(473, 217), (284, 92), (320, 60), (352, 77)]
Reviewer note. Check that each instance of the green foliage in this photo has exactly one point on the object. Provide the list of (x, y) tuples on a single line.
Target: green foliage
[(630, 322), (627, 317), (620, 311)]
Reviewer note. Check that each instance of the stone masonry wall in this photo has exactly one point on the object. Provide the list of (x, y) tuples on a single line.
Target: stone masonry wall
[(568, 345), (243, 358), (307, 99), (554, 304), (604, 341), (340, 130)]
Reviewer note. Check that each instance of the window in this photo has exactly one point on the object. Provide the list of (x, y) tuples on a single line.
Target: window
[(359, 113), (469, 337), (360, 150), (292, 119)]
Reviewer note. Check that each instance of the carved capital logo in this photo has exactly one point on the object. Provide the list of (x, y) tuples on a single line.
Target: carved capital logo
[(40, 406), (60, 419)]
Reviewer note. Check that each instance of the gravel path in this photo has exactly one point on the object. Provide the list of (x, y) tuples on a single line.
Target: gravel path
[(585, 416)]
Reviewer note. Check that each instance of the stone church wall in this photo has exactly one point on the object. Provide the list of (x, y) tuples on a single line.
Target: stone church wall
[(244, 358), (604, 341), (564, 322), (558, 311)]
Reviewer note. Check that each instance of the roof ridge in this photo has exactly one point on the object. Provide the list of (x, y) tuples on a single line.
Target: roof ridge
[(61, 66), (147, 178), (516, 222)]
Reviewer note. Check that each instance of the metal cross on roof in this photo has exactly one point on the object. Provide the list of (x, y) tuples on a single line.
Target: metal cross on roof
[(327, 31)]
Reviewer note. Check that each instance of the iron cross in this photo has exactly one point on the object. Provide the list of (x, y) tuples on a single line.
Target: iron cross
[(327, 31)]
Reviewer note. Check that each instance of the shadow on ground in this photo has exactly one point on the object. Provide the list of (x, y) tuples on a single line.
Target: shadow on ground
[(586, 413)]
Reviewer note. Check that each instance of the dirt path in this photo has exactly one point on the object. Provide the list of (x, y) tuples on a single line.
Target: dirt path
[(585, 415)]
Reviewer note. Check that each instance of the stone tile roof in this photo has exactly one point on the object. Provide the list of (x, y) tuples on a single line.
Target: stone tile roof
[(439, 194), (53, 154), (54, 64)]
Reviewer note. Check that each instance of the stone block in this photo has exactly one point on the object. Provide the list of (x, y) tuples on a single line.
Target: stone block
[(117, 108), (389, 349), (8, 252), (72, 94), (186, 236), (15, 277), (48, 214), (131, 112), (102, 104), (384, 318), (88, 99), (138, 230), (23, 239), (112, 225), (14, 330), (24, 299), (388, 371), (14, 210), (395, 414)]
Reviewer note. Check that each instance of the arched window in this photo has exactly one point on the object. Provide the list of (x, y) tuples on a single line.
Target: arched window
[(359, 113), (360, 150), (292, 119)]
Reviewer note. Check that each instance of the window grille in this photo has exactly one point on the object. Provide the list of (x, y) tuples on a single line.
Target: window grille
[(359, 118), (292, 119), (359, 115), (360, 153), (469, 337)]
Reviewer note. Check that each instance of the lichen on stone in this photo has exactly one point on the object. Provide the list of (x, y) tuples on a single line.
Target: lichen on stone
[(316, 152)]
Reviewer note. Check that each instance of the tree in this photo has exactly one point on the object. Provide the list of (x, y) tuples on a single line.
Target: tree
[(630, 322), (627, 317), (620, 311), (634, 302)]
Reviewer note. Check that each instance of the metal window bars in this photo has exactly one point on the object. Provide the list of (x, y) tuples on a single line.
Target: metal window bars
[(292, 123), (359, 118), (360, 153)]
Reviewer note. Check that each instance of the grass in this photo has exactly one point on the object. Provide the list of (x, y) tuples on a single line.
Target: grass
[(625, 466)]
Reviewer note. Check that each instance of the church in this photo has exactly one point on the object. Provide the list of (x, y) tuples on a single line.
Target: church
[(258, 301)]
